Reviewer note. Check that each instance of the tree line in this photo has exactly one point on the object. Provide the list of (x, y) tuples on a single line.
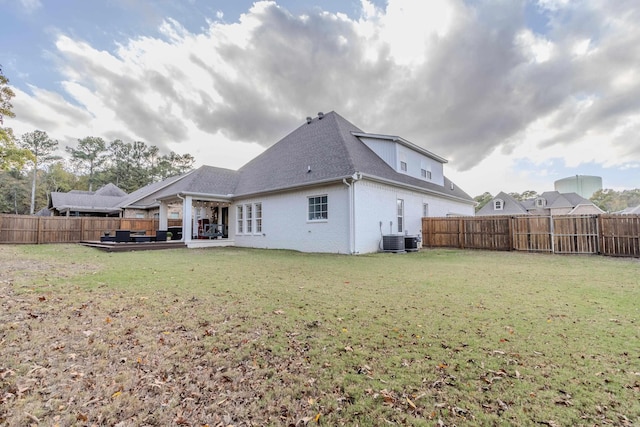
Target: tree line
[(30, 169), (608, 200)]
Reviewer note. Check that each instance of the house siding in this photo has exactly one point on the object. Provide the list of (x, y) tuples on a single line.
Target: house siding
[(285, 224), (392, 153), (375, 203)]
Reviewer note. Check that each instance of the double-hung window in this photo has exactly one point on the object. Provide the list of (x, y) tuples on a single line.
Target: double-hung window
[(258, 214), (318, 208), (249, 218), (400, 214), (240, 219)]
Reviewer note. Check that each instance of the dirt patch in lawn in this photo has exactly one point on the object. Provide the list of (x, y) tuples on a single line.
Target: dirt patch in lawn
[(76, 356)]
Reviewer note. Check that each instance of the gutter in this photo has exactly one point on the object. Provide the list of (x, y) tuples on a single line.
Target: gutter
[(338, 179)]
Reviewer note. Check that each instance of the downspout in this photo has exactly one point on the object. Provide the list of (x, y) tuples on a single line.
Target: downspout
[(352, 211), (351, 221)]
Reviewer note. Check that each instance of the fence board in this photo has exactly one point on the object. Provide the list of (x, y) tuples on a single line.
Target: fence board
[(615, 235), (620, 235), (26, 229)]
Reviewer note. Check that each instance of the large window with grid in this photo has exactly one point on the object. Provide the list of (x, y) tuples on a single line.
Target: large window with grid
[(400, 214), (258, 215), (318, 208)]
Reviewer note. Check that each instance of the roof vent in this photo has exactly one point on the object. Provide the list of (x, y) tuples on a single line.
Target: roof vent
[(320, 115), (309, 119)]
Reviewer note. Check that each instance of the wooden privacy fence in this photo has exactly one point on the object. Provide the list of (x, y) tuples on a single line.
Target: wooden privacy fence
[(614, 235), (62, 229)]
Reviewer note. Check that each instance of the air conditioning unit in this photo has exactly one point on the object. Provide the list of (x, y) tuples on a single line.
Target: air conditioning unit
[(411, 243), (393, 243)]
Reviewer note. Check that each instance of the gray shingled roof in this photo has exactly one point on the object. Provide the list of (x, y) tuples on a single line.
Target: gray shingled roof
[(208, 180), (554, 199), (85, 201), (510, 207), (145, 197), (110, 190), (321, 151)]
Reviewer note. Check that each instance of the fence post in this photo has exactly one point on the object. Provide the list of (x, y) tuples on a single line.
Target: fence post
[(511, 231), (461, 233), (552, 234), (600, 235)]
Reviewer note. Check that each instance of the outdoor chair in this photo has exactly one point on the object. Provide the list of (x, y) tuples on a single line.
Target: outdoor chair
[(161, 235), (123, 236)]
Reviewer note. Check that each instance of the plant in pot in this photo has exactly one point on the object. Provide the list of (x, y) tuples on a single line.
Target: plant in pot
[(169, 235)]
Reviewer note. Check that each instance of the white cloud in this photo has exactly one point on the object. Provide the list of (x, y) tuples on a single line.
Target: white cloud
[(31, 6), (466, 80)]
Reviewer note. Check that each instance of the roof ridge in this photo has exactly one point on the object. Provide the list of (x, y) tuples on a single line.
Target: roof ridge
[(344, 141)]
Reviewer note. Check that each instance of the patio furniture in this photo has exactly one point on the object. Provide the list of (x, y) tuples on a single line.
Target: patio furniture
[(176, 233), (213, 231), (161, 235), (123, 236)]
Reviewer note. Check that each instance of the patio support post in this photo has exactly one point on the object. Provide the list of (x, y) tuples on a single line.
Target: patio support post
[(164, 211), (187, 218)]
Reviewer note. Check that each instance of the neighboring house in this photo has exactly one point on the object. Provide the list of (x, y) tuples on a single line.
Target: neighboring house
[(547, 203), (630, 211), (111, 201), (326, 187), (502, 204), (103, 202)]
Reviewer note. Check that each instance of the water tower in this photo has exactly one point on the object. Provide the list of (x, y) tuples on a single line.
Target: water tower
[(584, 185)]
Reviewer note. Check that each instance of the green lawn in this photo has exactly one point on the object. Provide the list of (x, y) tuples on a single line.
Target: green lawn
[(255, 337)]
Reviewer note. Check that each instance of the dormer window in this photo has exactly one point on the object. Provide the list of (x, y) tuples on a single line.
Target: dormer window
[(540, 202), (426, 174), (498, 204), (403, 166)]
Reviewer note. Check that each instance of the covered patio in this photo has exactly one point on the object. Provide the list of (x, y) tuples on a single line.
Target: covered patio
[(205, 219)]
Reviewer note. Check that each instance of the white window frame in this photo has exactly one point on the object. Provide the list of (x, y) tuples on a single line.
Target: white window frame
[(248, 218), (400, 215), (316, 214), (239, 219), (425, 210), (403, 166), (258, 217), (540, 202), (498, 204)]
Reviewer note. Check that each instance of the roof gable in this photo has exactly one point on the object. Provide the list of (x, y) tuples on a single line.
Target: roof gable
[(110, 190), (510, 206), (314, 152), (206, 180)]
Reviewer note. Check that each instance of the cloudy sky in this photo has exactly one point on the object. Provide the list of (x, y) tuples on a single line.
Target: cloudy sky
[(514, 93)]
